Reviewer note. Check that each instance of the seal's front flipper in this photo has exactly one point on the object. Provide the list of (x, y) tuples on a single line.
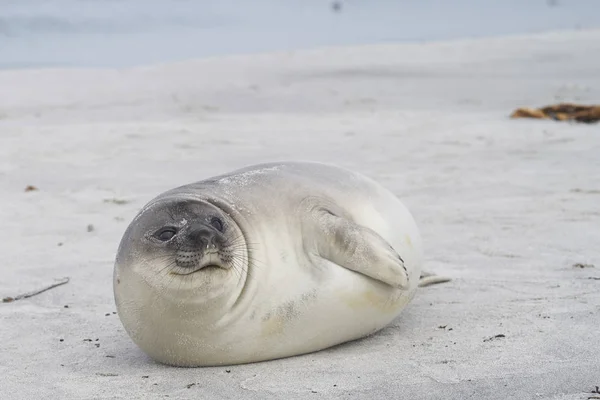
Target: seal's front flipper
[(358, 248)]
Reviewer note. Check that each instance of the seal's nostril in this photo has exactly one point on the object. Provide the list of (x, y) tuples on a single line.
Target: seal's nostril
[(202, 235)]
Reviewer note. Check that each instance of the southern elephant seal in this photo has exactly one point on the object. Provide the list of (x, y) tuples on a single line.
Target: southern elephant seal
[(265, 262)]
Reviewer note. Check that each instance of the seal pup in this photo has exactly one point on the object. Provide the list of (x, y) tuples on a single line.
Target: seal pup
[(269, 261)]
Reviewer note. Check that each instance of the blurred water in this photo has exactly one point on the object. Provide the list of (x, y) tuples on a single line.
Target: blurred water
[(117, 33)]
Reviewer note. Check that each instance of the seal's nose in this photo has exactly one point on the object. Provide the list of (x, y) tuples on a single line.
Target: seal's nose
[(202, 235)]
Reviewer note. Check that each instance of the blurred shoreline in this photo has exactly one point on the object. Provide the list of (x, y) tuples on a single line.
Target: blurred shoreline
[(124, 33)]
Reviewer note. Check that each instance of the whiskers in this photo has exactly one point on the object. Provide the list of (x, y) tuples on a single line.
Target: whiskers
[(240, 255), (182, 265), (166, 278)]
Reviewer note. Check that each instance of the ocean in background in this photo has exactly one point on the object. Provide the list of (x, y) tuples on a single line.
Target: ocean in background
[(121, 33)]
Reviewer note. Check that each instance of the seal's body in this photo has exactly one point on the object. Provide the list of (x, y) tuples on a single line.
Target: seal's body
[(269, 261)]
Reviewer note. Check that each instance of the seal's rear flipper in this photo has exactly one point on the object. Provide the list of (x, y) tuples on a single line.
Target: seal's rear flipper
[(428, 278), (359, 249)]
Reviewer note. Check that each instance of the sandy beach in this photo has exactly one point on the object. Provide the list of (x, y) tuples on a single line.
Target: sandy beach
[(509, 209)]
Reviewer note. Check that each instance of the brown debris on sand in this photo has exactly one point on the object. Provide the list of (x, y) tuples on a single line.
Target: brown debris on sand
[(561, 112)]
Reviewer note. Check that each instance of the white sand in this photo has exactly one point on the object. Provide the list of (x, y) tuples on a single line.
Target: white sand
[(506, 207)]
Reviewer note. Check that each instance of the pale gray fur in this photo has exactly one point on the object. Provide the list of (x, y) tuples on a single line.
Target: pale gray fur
[(310, 255)]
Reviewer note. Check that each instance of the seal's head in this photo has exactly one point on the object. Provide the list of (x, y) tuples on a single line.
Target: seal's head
[(180, 250)]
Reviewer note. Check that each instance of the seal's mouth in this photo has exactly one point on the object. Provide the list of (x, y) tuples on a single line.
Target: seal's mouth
[(197, 269), (190, 262)]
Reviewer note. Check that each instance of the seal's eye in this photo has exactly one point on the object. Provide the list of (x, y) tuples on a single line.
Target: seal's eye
[(165, 234), (217, 223)]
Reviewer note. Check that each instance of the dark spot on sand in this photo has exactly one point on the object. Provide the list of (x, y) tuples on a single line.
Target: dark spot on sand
[(116, 201), (30, 188), (494, 337), (189, 385)]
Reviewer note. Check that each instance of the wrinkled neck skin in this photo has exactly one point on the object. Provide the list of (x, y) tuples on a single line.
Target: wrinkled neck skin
[(211, 299)]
